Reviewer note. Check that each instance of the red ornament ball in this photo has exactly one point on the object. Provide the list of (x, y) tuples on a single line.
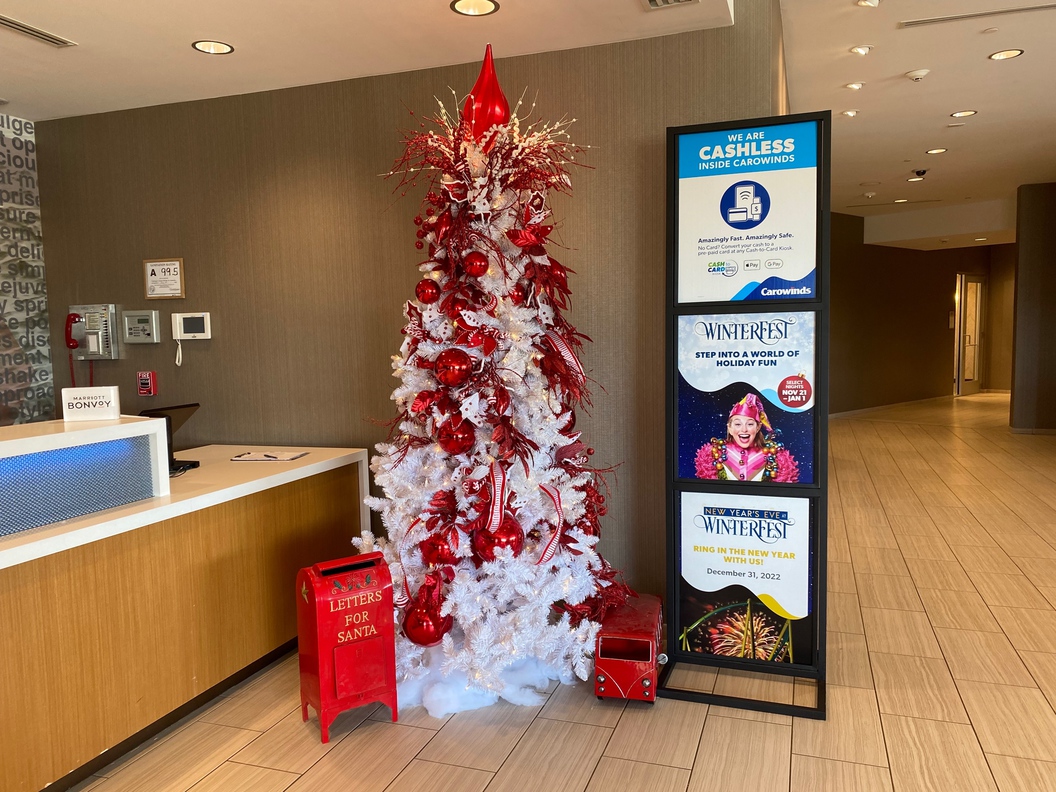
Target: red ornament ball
[(508, 534), (517, 294), (436, 551), (427, 291), (456, 436), (453, 367), (419, 244), (475, 264), (425, 626)]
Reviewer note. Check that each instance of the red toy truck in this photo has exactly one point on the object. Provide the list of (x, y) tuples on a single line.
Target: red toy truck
[(627, 654)]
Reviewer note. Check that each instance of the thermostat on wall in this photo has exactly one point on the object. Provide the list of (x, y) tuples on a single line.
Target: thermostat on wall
[(191, 325)]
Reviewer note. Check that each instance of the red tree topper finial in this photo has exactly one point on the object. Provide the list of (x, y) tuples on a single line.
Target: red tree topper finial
[(486, 105)]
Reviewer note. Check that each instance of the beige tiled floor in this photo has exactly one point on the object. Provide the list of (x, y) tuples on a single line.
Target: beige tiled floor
[(942, 655)]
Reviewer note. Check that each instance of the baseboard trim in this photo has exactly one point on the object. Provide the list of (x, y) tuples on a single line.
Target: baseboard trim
[(1014, 430)]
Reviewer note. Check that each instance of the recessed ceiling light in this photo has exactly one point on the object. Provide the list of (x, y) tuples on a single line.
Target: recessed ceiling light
[(1008, 54), (854, 86), (937, 151), (868, 3), (963, 113), (980, 239), (915, 178), (474, 7), (4, 101), (213, 47), (990, 30), (951, 126), (849, 113), (901, 200), (862, 49)]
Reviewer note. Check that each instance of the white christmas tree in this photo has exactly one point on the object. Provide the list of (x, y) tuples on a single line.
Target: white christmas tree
[(491, 504)]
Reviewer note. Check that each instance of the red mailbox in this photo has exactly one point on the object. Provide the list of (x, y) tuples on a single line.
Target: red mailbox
[(627, 653), (346, 637)]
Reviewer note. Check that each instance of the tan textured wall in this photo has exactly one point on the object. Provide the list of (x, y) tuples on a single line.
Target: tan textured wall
[(304, 256)]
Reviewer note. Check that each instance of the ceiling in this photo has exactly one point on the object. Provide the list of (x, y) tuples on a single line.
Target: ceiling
[(132, 53), (1011, 141)]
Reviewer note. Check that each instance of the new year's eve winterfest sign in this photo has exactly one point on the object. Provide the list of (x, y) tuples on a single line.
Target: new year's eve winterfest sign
[(748, 214)]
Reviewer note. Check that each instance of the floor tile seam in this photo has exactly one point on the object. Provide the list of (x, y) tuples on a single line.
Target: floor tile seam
[(203, 719), (971, 728), (417, 758), (872, 671), (579, 723), (164, 740), (539, 717), (1021, 758), (843, 761), (334, 743), (607, 755), (645, 761)]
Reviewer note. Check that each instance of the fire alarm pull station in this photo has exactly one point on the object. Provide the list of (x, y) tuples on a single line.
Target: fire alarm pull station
[(346, 637), (146, 383)]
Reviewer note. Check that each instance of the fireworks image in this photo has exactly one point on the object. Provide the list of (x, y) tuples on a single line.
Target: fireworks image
[(740, 629)]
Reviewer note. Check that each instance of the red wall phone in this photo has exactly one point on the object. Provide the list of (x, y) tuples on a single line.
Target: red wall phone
[(71, 320)]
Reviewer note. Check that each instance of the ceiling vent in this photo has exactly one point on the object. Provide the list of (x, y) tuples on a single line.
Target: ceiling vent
[(656, 5), (975, 15), (37, 33)]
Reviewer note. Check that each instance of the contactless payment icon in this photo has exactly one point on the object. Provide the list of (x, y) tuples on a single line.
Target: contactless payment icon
[(745, 205)]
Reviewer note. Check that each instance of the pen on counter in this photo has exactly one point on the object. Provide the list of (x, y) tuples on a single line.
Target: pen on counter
[(269, 456)]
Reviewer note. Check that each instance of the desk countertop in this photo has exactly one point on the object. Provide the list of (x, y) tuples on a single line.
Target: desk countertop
[(217, 480)]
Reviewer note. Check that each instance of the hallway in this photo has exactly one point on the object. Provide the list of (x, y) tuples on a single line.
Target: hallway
[(942, 661)]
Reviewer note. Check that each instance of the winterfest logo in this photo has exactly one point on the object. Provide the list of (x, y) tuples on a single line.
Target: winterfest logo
[(765, 331), (762, 524)]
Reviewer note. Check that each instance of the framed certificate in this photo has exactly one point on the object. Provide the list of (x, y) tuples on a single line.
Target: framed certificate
[(163, 279)]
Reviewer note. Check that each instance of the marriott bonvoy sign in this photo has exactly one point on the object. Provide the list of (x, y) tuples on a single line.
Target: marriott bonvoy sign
[(91, 404)]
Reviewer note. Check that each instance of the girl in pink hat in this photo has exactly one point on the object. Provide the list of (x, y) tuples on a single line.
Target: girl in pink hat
[(750, 451)]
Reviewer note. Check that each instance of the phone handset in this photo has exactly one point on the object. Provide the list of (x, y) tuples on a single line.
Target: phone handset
[(71, 320)]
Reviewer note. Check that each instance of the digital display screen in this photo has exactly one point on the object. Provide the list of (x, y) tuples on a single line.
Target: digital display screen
[(143, 320), (194, 324)]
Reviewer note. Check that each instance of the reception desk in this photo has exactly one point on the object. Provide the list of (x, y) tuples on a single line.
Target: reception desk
[(111, 622)]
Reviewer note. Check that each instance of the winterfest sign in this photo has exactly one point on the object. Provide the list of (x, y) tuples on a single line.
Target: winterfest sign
[(759, 548), (747, 203), (760, 368)]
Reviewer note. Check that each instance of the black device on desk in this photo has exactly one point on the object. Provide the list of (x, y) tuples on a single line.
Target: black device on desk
[(175, 417)]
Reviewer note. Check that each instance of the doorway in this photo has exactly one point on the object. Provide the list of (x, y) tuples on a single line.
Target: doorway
[(969, 301)]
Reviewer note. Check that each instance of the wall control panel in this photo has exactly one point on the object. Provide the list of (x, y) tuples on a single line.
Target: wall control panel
[(140, 327), (191, 326), (91, 332)]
